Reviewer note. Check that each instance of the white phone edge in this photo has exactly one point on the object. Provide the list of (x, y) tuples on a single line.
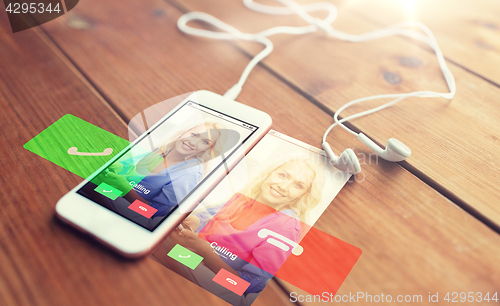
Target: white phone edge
[(126, 237)]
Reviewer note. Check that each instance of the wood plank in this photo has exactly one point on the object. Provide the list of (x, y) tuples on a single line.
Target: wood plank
[(467, 31), (451, 148), (413, 239), (44, 262)]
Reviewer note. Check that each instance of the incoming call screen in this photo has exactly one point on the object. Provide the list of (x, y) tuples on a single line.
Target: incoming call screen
[(149, 180)]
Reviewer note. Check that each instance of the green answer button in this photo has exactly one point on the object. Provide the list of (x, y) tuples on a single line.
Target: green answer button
[(108, 191), (185, 256)]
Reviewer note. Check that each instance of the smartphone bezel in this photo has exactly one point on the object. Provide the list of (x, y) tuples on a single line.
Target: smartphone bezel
[(130, 239)]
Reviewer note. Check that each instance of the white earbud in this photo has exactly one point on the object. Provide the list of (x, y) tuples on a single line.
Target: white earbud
[(347, 162), (395, 150)]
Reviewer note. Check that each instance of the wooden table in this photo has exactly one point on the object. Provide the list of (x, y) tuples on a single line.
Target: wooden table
[(430, 224)]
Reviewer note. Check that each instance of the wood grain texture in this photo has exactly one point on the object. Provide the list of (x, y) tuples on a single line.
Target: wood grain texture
[(44, 262), (453, 143), (467, 31), (414, 240)]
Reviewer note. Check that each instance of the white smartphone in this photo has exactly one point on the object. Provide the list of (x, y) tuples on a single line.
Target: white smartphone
[(136, 199)]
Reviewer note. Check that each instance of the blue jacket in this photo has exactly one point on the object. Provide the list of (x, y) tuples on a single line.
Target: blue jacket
[(167, 187)]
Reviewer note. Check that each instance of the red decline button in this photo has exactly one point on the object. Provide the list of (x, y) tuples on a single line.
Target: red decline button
[(323, 266), (142, 209), (230, 281)]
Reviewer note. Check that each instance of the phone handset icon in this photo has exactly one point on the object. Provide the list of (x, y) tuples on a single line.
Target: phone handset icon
[(74, 151), (231, 281), (297, 248)]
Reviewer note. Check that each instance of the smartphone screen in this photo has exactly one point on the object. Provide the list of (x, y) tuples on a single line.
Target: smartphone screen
[(148, 181)]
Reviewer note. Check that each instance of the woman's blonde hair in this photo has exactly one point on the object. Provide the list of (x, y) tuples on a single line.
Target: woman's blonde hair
[(215, 150), (301, 206)]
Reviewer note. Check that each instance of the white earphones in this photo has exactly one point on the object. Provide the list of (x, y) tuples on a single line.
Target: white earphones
[(347, 161), (395, 151)]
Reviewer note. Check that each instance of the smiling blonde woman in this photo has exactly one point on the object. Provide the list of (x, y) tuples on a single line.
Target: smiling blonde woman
[(166, 175), (278, 200)]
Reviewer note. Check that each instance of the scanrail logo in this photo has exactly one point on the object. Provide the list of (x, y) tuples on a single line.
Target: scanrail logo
[(25, 14)]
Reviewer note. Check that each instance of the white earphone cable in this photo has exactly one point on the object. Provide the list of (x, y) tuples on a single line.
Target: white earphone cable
[(291, 7)]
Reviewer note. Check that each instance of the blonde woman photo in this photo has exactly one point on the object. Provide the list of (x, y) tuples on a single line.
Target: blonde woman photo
[(166, 175), (279, 200)]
